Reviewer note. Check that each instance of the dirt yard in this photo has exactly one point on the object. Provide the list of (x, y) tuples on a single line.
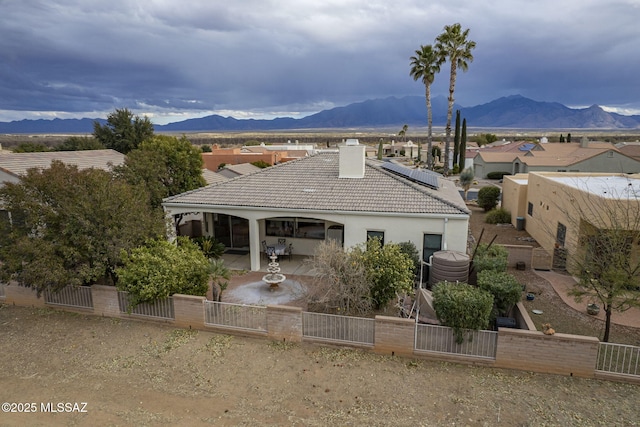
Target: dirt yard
[(144, 374)]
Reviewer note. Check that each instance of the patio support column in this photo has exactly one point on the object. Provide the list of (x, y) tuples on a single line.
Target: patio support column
[(254, 244)]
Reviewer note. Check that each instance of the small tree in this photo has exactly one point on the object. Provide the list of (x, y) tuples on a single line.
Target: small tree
[(488, 197), (461, 306), (161, 268), (503, 286), (388, 270), (466, 179)]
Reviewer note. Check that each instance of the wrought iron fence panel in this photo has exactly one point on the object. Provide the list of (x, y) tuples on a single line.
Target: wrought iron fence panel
[(162, 308), (338, 328), (441, 339), (70, 296), (241, 316), (619, 359)]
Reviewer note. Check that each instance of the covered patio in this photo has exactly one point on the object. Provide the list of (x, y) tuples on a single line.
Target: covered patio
[(296, 266)]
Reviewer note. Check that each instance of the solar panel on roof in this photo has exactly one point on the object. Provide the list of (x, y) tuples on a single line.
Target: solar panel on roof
[(421, 176), (526, 147)]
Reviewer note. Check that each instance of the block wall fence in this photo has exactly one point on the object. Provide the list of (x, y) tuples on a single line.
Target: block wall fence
[(525, 350)]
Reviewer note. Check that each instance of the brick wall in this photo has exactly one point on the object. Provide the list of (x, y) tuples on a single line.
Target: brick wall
[(189, 311), (562, 354), (519, 253), (105, 301), (394, 336), (25, 297), (284, 323)]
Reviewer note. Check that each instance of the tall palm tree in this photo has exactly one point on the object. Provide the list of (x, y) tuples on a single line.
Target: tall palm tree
[(453, 45), (424, 65)]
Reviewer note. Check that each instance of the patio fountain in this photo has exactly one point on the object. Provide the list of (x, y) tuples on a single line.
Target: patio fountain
[(274, 278), (274, 288)]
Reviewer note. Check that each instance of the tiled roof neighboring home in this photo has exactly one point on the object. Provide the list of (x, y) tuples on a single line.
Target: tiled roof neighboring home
[(557, 157), (212, 177), (631, 149), (14, 165), (232, 171), (313, 184)]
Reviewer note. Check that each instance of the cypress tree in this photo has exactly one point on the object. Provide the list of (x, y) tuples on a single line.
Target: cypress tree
[(463, 144), (456, 139)]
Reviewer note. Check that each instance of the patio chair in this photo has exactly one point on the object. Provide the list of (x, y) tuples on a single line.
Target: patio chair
[(282, 241), (289, 251), (264, 249)]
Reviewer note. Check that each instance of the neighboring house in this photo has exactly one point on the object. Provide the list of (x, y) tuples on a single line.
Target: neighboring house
[(233, 171), (14, 165), (270, 154), (340, 196), (631, 149), (523, 157), (560, 209), (212, 177)]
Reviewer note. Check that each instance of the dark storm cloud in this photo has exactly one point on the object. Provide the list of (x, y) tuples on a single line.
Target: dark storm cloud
[(252, 57)]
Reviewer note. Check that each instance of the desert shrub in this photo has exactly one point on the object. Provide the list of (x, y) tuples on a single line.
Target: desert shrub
[(498, 216), (261, 164), (497, 175), (456, 169), (340, 281), (492, 257), (161, 268), (462, 306), (488, 197), (503, 286)]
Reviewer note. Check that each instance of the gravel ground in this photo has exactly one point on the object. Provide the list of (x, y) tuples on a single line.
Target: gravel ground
[(144, 374)]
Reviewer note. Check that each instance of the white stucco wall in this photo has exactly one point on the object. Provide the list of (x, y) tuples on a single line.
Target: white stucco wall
[(397, 228)]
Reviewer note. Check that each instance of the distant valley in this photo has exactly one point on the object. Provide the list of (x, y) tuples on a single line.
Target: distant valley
[(512, 112)]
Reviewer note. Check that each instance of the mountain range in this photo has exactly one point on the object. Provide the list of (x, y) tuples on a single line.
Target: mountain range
[(515, 112)]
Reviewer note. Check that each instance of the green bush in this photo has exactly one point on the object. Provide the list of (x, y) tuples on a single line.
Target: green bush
[(492, 257), (462, 306), (498, 216), (497, 175), (388, 270), (161, 268), (488, 197), (503, 286)]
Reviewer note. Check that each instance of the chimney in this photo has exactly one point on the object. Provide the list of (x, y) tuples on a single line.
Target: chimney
[(351, 159)]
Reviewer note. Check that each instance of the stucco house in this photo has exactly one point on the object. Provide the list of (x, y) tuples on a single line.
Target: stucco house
[(561, 210), (523, 157), (331, 195)]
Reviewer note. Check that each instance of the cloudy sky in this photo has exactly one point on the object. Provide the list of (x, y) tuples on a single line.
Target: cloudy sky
[(177, 59)]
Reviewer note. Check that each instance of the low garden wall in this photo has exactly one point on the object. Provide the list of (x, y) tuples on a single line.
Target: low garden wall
[(520, 349)]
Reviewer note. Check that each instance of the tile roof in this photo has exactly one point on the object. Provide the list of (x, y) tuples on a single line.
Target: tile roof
[(312, 183), (212, 177), (18, 163)]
